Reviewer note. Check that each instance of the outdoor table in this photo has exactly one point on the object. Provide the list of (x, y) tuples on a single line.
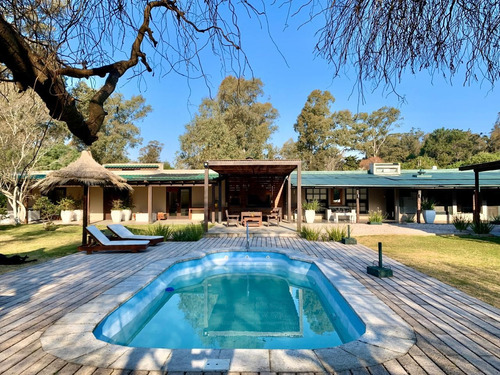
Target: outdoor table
[(254, 219)]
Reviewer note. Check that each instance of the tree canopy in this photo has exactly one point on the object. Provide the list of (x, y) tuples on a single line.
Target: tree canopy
[(45, 42), (151, 152), (233, 125), (119, 131)]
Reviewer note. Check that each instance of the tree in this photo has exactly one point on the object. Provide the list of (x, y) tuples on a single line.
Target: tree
[(449, 146), (234, 125), (118, 132), (370, 131), (44, 42), (57, 157), (25, 127), (400, 147), (494, 143), (319, 133), (151, 152)]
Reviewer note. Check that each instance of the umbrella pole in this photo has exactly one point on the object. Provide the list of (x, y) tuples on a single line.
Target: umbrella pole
[(85, 214)]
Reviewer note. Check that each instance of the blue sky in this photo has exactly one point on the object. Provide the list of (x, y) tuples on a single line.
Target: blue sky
[(430, 102)]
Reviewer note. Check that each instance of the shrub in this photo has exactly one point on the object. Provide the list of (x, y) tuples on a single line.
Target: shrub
[(408, 218), (46, 207), (495, 219), (191, 232), (66, 204), (481, 227), (158, 230), (309, 233), (312, 205), (335, 233), (461, 222), (375, 216)]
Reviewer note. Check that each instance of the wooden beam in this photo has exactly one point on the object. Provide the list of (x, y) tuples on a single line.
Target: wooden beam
[(299, 197), (289, 199), (357, 205)]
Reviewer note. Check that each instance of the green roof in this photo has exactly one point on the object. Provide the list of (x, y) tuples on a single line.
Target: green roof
[(131, 166), (166, 177), (440, 178)]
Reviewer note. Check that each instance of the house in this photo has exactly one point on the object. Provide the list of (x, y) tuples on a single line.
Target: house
[(239, 185)]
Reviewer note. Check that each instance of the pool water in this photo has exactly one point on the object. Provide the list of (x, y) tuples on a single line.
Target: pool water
[(235, 300)]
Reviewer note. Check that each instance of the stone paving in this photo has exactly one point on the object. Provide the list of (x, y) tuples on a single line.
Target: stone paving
[(455, 333)]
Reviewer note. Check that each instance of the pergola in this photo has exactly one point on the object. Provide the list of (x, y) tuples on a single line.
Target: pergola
[(482, 167), (247, 169)]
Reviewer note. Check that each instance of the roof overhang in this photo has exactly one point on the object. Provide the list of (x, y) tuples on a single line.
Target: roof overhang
[(482, 167), (253, 167)]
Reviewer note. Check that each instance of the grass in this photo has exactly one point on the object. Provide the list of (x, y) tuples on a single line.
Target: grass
[(468, 263), (37, 243)]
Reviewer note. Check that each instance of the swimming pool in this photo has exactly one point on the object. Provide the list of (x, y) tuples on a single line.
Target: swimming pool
[(235, 300)]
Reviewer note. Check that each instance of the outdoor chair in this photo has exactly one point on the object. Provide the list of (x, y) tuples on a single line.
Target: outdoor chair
[(124, 234), (232, 219), (275, 215), (99, 242)]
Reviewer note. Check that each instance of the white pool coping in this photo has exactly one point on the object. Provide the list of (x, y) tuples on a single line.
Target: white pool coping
[(387, 336)]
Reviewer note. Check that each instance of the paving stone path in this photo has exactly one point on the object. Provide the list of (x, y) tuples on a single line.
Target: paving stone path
[(456, 333)]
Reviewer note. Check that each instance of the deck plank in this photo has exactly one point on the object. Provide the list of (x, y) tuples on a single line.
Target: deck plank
[(456, 333)]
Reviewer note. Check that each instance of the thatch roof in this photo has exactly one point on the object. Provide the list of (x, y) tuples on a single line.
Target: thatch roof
[(83, 171)]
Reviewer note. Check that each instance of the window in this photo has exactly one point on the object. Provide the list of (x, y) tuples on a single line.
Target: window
[(319, 194), (337, 197), (363, 199)]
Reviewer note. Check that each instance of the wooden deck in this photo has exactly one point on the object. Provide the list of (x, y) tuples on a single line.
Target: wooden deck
[(456, 334)]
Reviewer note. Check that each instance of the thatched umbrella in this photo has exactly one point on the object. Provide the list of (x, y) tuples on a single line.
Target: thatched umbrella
[(87, 172)]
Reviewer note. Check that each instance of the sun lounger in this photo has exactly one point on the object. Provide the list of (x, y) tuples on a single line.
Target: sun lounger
[(100, 242), (124, 234)]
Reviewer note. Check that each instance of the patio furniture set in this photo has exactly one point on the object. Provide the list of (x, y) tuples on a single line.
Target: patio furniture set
[(253, 218)]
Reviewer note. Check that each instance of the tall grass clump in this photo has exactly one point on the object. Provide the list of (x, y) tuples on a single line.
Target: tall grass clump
[(495, 219), (191, 232), (481, 227), (335, 233), (159, 229), (460, 222), (309, 233)]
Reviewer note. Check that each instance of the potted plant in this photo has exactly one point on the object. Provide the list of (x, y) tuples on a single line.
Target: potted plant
[(375, 217), (127, 208), (428, 210), (310, 209), (78, 211), (116, 210), (66, 205)]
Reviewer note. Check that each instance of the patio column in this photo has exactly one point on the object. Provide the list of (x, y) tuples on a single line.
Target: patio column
[(477, 198), (299, 197), (150, 204), (212, 205), (289, 199), (219, 206), (419, 205), (85, 218), (205, 199), (357, 205), (396, 205)]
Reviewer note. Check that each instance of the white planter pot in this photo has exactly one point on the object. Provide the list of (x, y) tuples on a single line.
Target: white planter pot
[(429, 216), (310, 215), (126, 214), (116, 216), (66, 216), (78, 215), (142, 217)]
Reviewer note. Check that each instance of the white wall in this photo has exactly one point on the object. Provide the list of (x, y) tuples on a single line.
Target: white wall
[(96, 195)]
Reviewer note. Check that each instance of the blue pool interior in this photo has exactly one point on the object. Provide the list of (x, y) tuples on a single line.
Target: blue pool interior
[(235, 300)]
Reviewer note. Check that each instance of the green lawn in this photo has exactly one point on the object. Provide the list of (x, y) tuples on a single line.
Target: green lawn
[(37, 243), (471, 264)]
